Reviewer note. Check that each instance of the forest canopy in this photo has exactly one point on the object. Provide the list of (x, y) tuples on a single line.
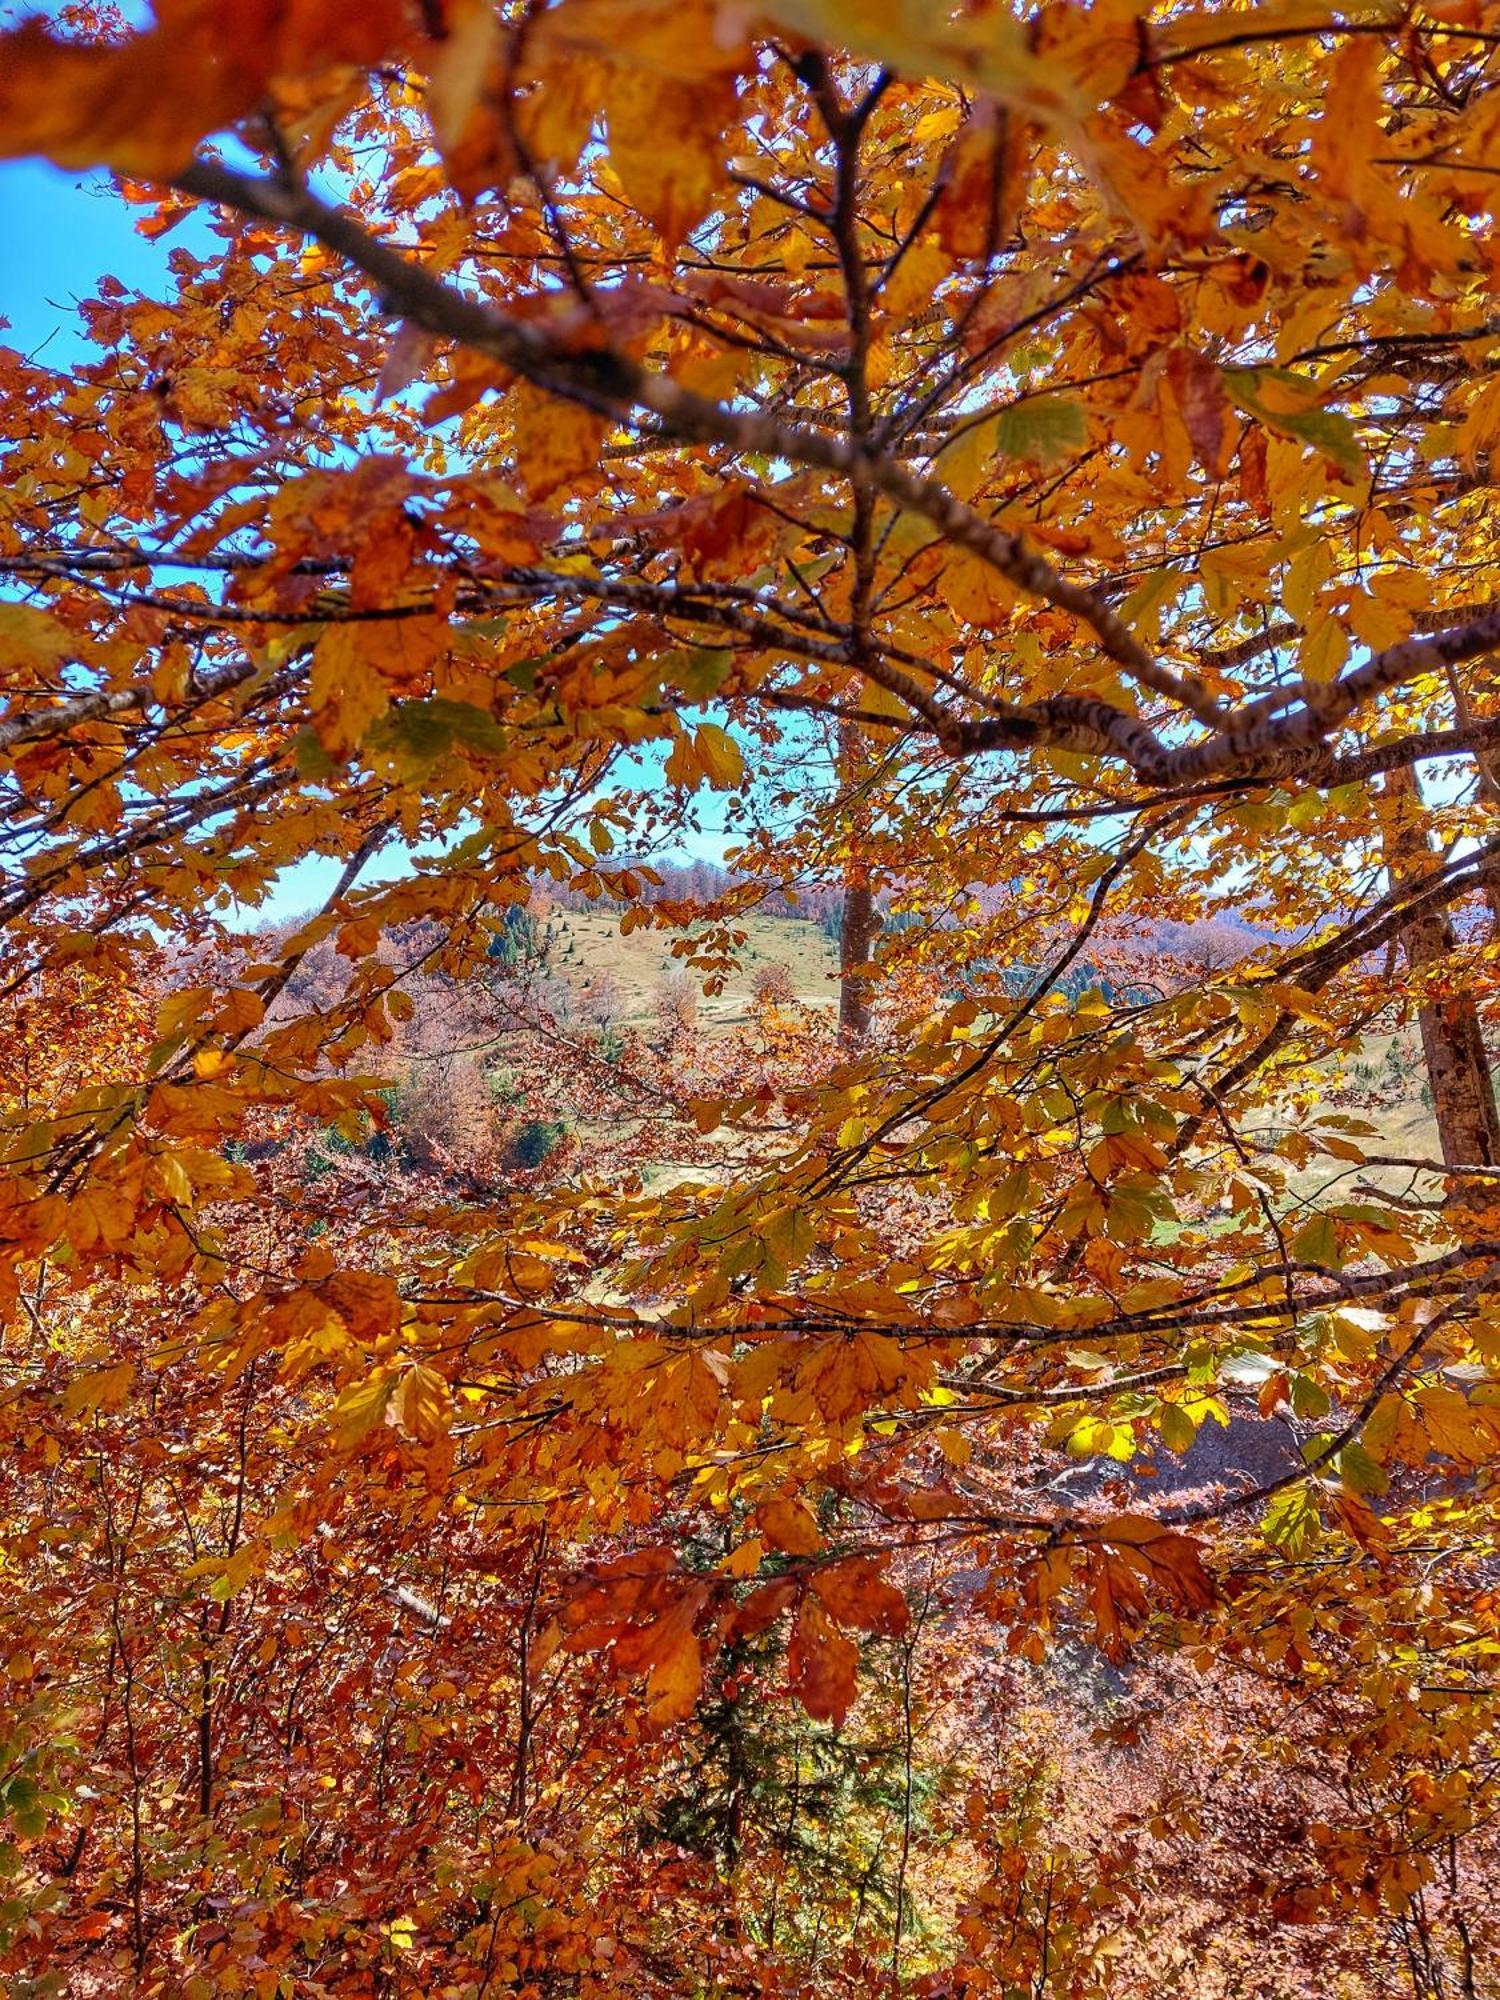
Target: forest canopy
[(826, 1321)]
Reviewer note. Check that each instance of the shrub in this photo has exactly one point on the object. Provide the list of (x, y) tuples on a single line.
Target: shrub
[(773, 985), (677, 1002), (534, 1142)]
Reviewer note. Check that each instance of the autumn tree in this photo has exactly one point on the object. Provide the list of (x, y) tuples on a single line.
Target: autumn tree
[(1030, 466)]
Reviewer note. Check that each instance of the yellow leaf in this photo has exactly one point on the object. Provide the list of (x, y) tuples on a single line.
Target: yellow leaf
[(719, 755), (100, 1216), (1324, 650), (1305, 578), (745, 1559), (672, 184), (178, 1009), (917, 278), (347, 692), (975, 591), (984, 49), (236, 1572), (32, 641), (174, 1177), (530, 1275), (1480, 430), (361, 1408), (789, 1237), (421, 1405), (101, 1388), (553, 441)]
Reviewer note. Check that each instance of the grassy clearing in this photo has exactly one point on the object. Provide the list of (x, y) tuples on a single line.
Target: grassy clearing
[(1380, 1081), (586, 944)]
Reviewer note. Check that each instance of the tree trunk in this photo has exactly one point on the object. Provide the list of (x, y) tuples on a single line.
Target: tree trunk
[(1458, 1072), (857, 933), (860, 923)]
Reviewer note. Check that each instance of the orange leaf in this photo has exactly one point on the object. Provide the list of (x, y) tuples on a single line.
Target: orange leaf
[(823, 1664), (140, 105), (789, 1525), (857, 1594)]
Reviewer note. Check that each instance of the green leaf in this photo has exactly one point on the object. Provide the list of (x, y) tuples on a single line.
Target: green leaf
[(700, 671), (1359, 1472), (1043, 430), (1309, 1398), (312, 760), (1142, 609), (1292, 1523), (1178, 1431), (1316, 1242), (422, 732), (1130, 1216), (486, 628), (1287, 402), (789, 1237)]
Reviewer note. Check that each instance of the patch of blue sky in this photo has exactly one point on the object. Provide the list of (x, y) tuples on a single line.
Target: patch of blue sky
[(65, 230), (302, 886)]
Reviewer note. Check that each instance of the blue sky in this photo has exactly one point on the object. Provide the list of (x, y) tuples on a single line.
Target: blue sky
[(63, 232)]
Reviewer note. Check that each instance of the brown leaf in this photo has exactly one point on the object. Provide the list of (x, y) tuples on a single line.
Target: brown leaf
[(1199, 388), (856, 1594), (823, 1664)]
